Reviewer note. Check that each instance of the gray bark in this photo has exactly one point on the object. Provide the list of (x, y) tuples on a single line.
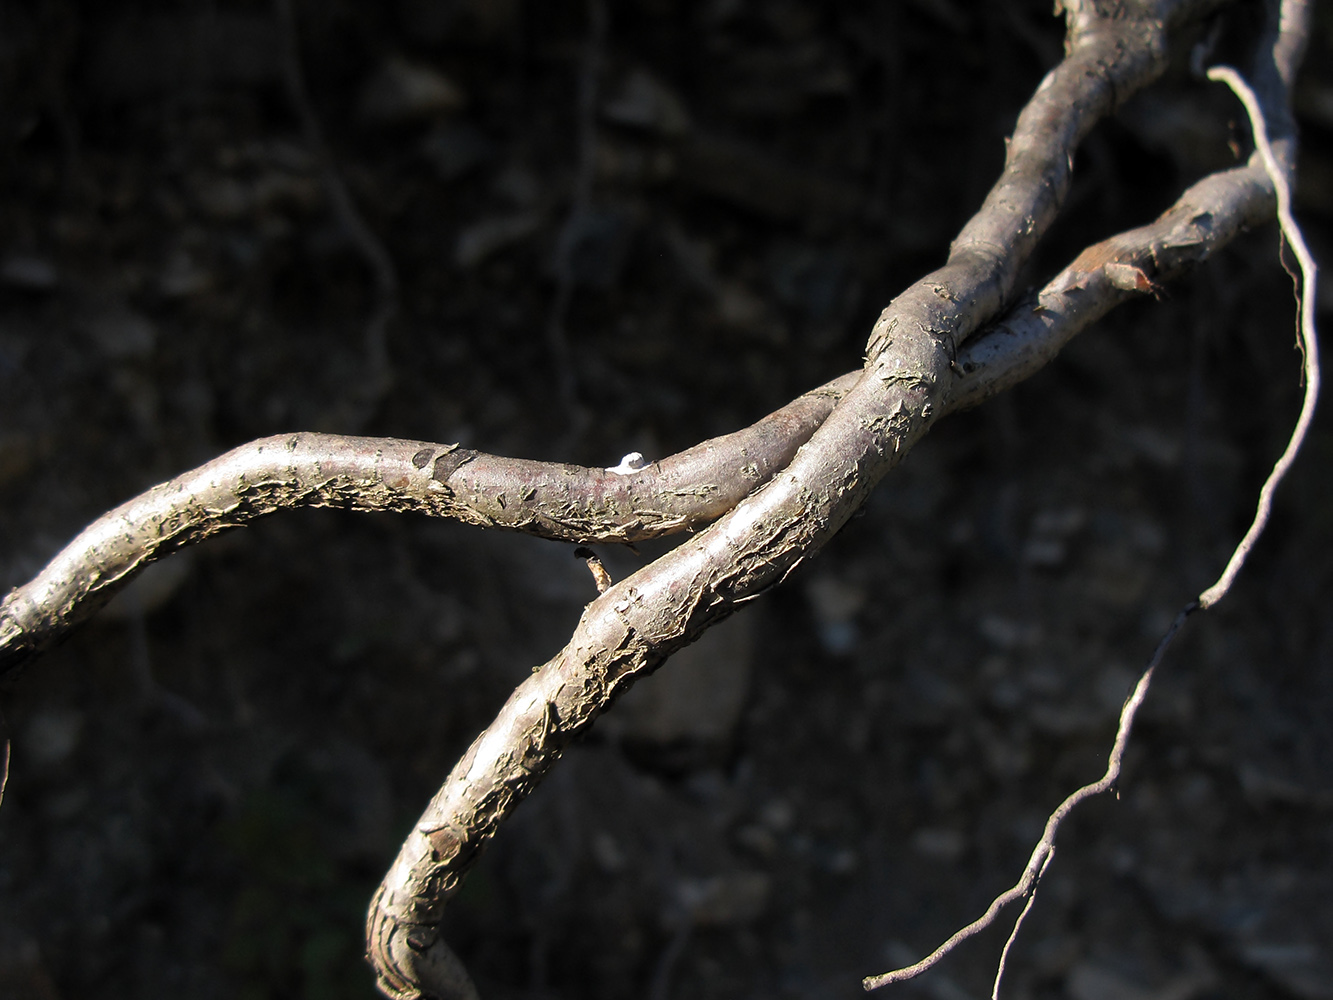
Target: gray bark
[(775, 492)]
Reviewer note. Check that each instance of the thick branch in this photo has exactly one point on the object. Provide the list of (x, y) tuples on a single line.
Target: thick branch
[(1113, 50), (908, 382), (563, 502), (634, 626), (1207, 217), (1122, 260)]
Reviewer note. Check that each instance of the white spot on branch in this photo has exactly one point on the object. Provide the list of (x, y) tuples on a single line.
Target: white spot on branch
[(631, 463)]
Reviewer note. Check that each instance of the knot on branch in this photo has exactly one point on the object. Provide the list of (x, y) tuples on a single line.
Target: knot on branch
[(412, 962)]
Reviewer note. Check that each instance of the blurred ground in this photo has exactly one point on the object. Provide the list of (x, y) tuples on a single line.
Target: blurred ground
[(209, 781)]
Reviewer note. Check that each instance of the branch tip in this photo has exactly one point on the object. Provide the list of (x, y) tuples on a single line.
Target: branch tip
[(600, 575)]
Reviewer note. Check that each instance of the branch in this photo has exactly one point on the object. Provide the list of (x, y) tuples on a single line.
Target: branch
[(575, 504), (1207, 217), (563, 502), (1305, 318), (1045, 850), (909, 380), (1120, 262), (628, 631)]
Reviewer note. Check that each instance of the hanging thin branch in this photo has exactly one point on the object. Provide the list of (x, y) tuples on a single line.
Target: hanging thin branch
[(1122, 260), (1305, 311), (1045, 850), (778, 495)]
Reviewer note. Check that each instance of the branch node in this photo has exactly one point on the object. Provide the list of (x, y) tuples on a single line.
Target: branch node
[(599, 574)]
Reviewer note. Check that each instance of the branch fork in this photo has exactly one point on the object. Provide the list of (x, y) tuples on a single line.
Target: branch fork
[(765, 498)]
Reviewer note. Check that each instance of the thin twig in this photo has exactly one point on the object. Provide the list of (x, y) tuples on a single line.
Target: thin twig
[(1041, 854), (600, 577), (1018, 924), (660, 987), (631, 629), (1044, 851), (1305, 312)]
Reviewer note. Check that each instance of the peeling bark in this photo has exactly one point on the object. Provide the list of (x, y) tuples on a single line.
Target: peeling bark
[(563, 502), (905, 386), (776, 492), (1206, 218)]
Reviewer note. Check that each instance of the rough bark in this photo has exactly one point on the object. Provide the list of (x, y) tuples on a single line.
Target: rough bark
[(564, 502), (905, 386), (776, 492)]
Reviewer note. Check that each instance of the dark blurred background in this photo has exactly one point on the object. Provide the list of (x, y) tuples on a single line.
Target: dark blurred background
[(616, 238)]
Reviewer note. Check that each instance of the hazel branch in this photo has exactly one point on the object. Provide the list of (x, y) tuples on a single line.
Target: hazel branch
[(631, 628), (563, 502), (1121, 262)]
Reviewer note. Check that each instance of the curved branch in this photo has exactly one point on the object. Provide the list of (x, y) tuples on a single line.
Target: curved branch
[(634, 626), (563, 502), (1109, 57), (1207, 217), (1124, 258), (628, 631), (907, 383)]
